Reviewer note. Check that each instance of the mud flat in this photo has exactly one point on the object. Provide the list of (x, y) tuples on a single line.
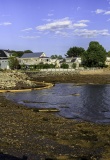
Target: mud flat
[(41, 136)]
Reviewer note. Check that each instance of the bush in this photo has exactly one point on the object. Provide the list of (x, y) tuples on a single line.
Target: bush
[(74, 65), (65, 66)]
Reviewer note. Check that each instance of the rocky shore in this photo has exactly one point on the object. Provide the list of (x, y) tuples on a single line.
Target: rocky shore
[(83, 77), (44, 136), (14, 80)]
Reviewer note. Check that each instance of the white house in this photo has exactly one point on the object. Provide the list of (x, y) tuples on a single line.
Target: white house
[(71, 60), (33, 58), (107, 62), (4, 58)]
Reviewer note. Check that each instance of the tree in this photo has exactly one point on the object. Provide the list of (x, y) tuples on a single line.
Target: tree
[(17, 53), (75, 52), (13, 63), (28, 51), (95, 55), (56, 56), (20, 53)]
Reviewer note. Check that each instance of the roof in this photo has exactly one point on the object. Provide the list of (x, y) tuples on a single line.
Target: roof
[(4, 53), (32, 55)]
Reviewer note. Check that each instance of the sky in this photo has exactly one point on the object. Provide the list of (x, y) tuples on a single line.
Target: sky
[(53, 26)]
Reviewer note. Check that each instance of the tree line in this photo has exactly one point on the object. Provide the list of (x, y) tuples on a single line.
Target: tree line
[(94, 56)]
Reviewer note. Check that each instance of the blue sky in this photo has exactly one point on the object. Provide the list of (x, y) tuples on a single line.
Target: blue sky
[(53, 26)]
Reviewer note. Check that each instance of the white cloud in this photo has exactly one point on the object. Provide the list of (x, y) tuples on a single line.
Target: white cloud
[(29, 37), (64, 34), (98, 11), (107, 12), (84, 21), (91, 33), (27, 29), (56, 25), (77, 25), (5, 24)]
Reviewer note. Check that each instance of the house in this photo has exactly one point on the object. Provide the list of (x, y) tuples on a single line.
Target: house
[(107, 62), (33, 58), (71, 60), (29, 59), (4, 58)]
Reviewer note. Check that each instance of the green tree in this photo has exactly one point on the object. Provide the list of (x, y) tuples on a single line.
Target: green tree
[(75, 52), (95, 55), (17, 53), (28, 51), (20, 53), (13, 63), (56, 56)]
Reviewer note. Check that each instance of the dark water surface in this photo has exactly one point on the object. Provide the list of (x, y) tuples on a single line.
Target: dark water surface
[(87, 102)]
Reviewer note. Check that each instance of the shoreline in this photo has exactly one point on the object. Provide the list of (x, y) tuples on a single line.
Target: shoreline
[(43, 86), (68, 77)]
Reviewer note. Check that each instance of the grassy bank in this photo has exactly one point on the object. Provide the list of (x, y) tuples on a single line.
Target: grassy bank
[(43, 135)]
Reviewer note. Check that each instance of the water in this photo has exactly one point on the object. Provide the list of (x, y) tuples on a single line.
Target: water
[(87, 102)]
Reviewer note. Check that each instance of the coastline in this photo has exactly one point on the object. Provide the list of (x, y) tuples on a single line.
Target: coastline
[(44, 135)]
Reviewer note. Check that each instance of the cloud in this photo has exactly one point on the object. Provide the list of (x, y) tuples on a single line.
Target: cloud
[(77, 25), (27, 29), (5, 24), (56, 25), (90, 33), (107, 12), (84, 21), (29, 37), (64, 34), (62, 24), (65, 27), (98, 11)]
